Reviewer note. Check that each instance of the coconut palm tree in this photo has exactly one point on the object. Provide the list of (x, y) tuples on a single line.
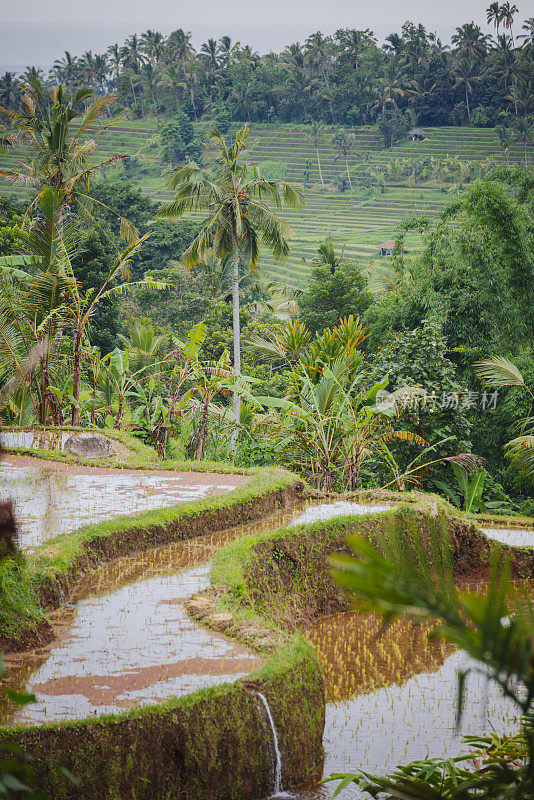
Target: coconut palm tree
[(505, 135), (152, 44), (149, 75), (115, 59), (227, 50), (238, 200), (494, 15), (173, 77), (505, 60), (9, 90), (66, 69), (326, 256), (470, 42), (528, 36), (132, 59), (394, 44), (315, 134), (87, 68), (100, 67), (524, 129), (344, 144), (145, 347), (464, 74), (522, 95), (210, 55), (191, 78), (179, 47), (47, 134), (508, 12)]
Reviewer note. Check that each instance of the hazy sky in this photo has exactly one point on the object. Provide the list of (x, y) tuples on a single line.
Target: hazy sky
[(37, 32)]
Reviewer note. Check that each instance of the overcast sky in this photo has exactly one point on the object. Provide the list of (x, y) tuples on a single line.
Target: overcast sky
[(38, 31)]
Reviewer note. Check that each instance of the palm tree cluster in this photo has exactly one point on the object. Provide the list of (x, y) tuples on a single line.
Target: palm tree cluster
[(46, 317), (238, 201), (343, 78)]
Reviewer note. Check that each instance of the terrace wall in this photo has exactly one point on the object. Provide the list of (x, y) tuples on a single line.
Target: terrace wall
[(211, 745)]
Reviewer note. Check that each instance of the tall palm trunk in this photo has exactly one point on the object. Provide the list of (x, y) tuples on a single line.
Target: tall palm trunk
[(467, 104), (192, 96), (203, 431), (154, 103), (133, 89), (76, 378), (236, 402), (319, 166), (348, 172)]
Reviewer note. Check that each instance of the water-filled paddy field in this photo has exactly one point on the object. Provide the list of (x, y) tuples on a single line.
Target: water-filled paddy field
[(124, 638), (52, 498), (391, 698)]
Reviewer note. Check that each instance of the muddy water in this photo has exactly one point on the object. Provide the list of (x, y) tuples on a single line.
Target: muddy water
[(54, 498), (516, 538), (40, 439), (128, 642), (340, 508), (391, 697)]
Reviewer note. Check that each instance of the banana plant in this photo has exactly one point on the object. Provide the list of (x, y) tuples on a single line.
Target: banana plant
[(151, 415), (337, 423), (471, 489), (209, 379)]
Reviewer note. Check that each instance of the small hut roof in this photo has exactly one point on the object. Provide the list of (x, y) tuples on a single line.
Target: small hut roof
[(416, 132), (389, 245)]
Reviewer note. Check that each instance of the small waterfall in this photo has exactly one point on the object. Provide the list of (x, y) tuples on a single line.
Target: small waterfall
[(277, 788)]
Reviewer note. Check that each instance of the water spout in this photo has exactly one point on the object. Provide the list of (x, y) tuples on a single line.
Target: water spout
[(277, 787)]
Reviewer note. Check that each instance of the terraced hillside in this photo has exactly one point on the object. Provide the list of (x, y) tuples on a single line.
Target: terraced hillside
[(358, 220)]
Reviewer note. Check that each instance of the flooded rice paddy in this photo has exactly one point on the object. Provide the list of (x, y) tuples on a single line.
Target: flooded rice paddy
[(516, 538), (391, 698), (125, 640), (340, 508), (132, 647), (52, 498)]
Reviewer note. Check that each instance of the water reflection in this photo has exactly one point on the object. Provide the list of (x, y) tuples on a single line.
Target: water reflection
[(392, 698), (130, 642), (52, 498), (516, 538), (339, 508), (49, 439), (132, 647)]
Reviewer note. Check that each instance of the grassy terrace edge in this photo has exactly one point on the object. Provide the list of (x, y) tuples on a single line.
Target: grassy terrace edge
[(141, 456), (209, 744), (47, 575), (269, 585)]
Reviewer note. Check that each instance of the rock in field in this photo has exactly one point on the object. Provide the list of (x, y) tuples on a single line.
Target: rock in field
[(89, 447)]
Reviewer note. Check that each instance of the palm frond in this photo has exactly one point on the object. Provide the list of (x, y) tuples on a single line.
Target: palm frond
[(498, 372)]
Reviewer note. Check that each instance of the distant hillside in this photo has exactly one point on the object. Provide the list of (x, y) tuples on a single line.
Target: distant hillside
[(358, 220)]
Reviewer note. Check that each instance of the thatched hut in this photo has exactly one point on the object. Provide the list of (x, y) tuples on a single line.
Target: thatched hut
[(417, 135)]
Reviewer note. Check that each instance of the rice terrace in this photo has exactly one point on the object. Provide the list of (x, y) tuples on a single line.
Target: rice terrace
[(267, 401)]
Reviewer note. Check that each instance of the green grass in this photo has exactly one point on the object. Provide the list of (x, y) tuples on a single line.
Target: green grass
[(358, 221), (51, 564)]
